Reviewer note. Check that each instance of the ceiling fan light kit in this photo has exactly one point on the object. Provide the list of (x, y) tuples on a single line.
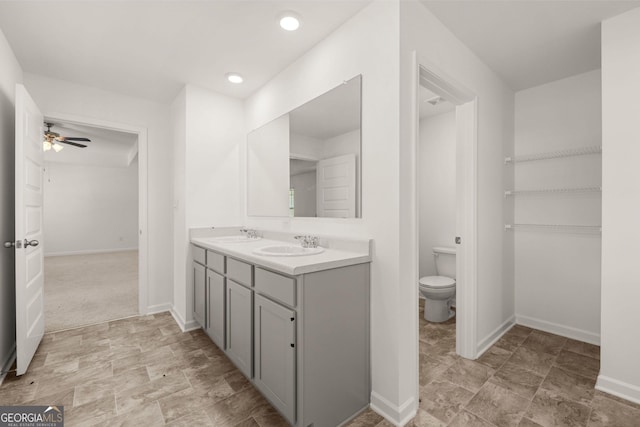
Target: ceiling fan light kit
[(53, 140)]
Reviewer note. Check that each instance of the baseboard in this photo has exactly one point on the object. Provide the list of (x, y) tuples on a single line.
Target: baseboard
[(184, 326), (494, 336), (618, 388), (159, 308), (398, 415), (555, 328), (90, 252), (7, 363)]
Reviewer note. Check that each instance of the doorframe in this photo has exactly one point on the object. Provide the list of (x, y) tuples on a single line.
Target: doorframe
[(429, 75), (143, 162)]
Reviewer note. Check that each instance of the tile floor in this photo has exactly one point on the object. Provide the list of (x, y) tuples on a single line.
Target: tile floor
[(141, 371), (144, 371), (528, 378)]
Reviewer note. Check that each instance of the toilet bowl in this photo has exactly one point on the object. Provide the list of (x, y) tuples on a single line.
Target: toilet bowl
[(439, 291)]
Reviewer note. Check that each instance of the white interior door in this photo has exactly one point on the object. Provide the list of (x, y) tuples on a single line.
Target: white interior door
[(336, 187), (29, 233)]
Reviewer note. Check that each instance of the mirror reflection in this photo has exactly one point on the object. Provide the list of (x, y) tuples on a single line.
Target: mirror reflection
[(307, 162)]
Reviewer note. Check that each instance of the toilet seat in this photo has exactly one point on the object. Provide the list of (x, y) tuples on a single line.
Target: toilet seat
[(437, 282)]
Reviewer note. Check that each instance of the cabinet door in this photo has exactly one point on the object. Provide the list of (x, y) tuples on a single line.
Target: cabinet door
[(215, 307), (275, 355), (239, 327), (199, 297)]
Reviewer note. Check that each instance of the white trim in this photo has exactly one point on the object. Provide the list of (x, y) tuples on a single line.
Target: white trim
[(558, 329), (89, 252), (143, 196), (159, 308), (184, 326), (618, 388), (396, 415), (8, 362), (494, 336), (467, 228)]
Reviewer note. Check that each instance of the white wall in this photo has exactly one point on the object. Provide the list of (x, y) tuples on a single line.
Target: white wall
[(10, 75), (433, 43), (366, 44), (437, 186), (209, 132), (90, 209), (57, 96), (558, 274), (620, 350)]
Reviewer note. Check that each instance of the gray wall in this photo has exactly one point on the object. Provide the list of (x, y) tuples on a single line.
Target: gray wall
[(10, 75)]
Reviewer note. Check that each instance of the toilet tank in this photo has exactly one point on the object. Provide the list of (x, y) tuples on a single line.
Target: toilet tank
[(445, 259)]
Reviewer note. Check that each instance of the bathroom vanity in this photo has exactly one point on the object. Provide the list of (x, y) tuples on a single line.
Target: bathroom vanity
[(296, 325)]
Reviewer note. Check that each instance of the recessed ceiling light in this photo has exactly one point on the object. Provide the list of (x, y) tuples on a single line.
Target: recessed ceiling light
[(290, 21), (234, 77)]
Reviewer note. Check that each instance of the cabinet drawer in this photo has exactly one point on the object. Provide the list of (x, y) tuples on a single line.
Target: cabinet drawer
[(239, 271), (215, 261), (199, 254), (276, 286)]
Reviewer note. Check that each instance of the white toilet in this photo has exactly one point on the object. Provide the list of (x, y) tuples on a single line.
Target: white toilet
[(439, 291)]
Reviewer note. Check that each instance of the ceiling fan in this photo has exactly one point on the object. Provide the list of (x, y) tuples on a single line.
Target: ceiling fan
[(52, 140)]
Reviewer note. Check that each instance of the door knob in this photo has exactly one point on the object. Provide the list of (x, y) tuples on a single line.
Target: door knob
[(9, 244), (30, 243)]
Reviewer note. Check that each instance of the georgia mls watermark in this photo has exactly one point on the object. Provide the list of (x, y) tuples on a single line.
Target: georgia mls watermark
[(31, 416)]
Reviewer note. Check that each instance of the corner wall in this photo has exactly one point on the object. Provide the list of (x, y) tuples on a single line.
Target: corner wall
[(432, 42), (620, 348), (367, 44), (57, 96), (10, 75), (208, 131)]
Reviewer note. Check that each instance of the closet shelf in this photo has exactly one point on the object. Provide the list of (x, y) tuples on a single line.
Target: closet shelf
[(552, 191), (554, 154), (581, 229)]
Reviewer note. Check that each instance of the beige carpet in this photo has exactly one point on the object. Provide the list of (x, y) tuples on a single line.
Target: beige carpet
[(86, 289)]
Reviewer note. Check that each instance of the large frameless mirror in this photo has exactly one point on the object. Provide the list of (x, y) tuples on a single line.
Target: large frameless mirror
[(307, 162)]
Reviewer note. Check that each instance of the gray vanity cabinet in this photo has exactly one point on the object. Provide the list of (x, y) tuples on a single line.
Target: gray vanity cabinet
[(199, 293), (275, 354), (301, 339), (216, 294), (239, 326)]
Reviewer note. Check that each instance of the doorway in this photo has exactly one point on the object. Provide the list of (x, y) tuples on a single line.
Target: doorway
[(90, 225), (439, 88), (129, 248)]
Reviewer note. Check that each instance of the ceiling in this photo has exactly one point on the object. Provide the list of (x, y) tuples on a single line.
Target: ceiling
[(532, 42), (151, 49), (108, 148)]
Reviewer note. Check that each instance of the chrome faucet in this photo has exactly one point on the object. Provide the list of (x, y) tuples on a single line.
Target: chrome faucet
[(308, 241), (249, 232)]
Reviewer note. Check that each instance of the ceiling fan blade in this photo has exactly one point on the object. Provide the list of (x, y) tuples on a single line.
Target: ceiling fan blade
[(75, 144), (71, 138)]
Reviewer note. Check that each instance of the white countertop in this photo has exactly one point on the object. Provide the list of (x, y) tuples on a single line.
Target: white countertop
[(336, 253)]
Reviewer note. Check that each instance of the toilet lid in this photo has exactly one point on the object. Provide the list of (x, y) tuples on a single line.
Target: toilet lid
[(437, 281)]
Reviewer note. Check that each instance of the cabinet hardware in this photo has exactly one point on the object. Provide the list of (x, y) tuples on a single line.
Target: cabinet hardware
[(293, 318), (292, 345)]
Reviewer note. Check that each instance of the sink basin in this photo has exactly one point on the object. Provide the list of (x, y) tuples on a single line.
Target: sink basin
[(234, 239), (287, 250)]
